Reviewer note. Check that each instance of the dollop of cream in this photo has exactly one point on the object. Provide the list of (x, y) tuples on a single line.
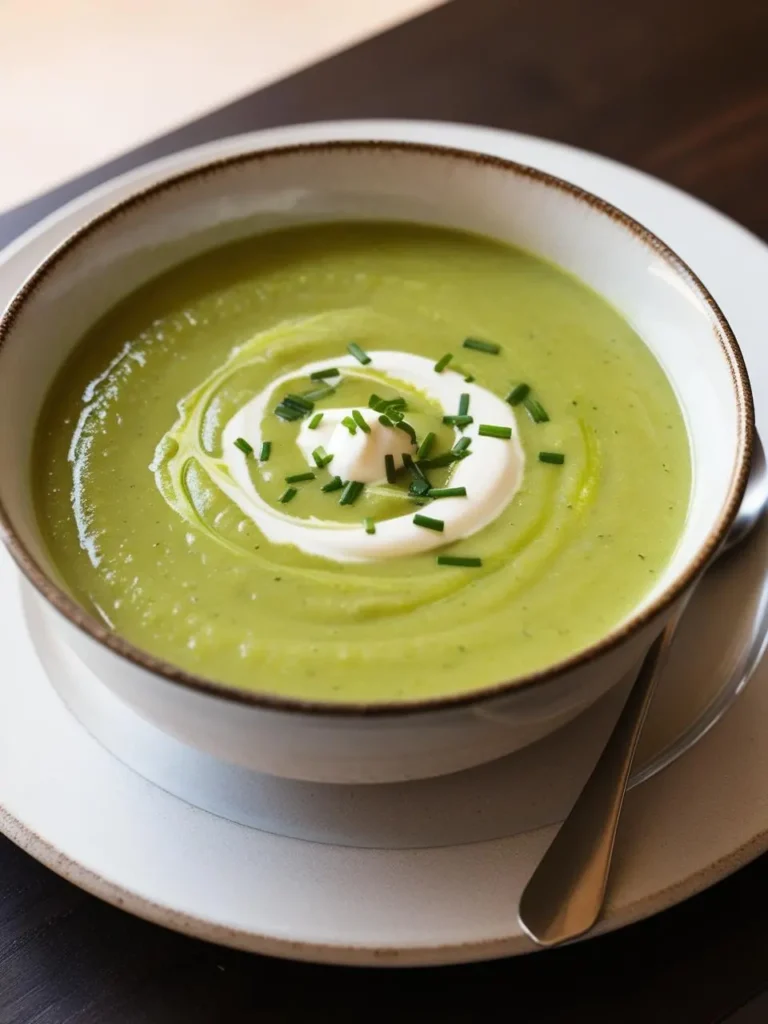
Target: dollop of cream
[(492, 474), (358, 456)]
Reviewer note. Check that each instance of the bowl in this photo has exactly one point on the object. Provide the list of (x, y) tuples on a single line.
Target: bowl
[(253, 192)]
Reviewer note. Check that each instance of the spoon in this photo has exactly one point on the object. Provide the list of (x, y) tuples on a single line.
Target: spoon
[(564, 897)]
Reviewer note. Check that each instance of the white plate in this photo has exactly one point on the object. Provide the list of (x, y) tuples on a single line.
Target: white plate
[(440, 891)]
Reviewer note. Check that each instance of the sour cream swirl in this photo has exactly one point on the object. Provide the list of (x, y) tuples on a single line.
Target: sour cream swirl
[(491, 475)]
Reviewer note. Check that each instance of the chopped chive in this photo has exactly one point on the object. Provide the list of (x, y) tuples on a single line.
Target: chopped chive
[(458, 421), (321, 457), (301, 407), (318, 394), (463, 404), (536, 410), (443, 361), (289, 413), (314, 423), (518, 394), (374, 402), (489, 430), (396, 403), (408, 429), (386, 421), (324, 374), (468, 563), (468, 379), (389, 465), (359, 419), (555, 458), (392, 413), (428, 523), (447, 492), (438, 461), (482, 346), (420, 487), (335, 484), (266, 451), (461, 445), (243, 445), (350, 424), (351, 492), (298, 478), (426, 446), (362, 357), (288, 495), (414, 468), (299, 401), (370, 526)]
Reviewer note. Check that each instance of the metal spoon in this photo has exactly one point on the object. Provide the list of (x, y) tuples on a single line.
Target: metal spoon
[(564, 897)]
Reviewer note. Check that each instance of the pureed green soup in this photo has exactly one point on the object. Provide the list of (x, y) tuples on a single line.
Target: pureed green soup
[(166, 453)]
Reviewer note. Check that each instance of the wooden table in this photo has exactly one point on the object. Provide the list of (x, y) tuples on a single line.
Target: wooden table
[(678, 88)]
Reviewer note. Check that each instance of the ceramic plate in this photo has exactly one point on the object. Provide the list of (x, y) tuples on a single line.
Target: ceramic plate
[(438, 887)]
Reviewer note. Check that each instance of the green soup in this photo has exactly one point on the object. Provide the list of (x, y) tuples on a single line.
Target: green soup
[(150, 541)]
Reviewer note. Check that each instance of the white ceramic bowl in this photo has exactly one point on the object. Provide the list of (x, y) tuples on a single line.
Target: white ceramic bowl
[(255, 192)]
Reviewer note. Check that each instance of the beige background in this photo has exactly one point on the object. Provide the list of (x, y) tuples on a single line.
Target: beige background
[(84, 80)]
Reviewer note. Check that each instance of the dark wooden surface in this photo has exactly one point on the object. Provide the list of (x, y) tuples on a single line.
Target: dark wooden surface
[(678, 88)]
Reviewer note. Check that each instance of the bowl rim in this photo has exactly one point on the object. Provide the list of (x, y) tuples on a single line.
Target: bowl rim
[(167, 671)]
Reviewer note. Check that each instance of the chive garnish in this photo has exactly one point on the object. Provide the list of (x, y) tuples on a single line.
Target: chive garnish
[(243, 445), (362, 357), (536, 410), (463, 404), (443, 361), (489, 430), (298, 478), (414, 468), (461, 445), (350, 424), (386, 421), (555, 458), (468, 379), (357, 416), (458, 421), (389, 465), (314, 423), (289, 413), (288, 495), (482, 346), (420, 487), (324, 374), (299, 402), (374, 402), (468, 563), (351, 492), (321, 457), (335, 484), (408, 429), (425, 446), (266, 451), (428, 523), (438, 461), (370, 526), (518, 394), (447, 492)]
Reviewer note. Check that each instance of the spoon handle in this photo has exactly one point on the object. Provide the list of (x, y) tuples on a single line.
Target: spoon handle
[(564, 896)]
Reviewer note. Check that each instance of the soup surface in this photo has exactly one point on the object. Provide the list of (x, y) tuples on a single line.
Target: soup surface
[(234, 469)]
